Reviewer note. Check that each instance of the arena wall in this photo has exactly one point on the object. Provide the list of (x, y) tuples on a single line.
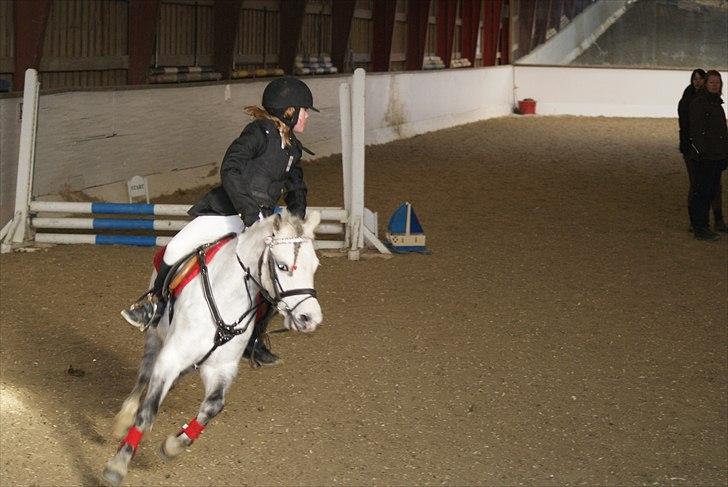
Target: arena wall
[(94, 141), (602, 92)]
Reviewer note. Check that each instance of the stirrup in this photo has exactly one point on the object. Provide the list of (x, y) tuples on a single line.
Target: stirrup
[(146, 311)]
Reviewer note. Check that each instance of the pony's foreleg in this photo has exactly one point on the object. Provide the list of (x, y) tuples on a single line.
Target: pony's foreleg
[(217, 381), (166, 369), (125, 417)]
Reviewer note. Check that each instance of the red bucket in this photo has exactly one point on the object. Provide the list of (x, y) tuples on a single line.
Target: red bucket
[(527, 106)]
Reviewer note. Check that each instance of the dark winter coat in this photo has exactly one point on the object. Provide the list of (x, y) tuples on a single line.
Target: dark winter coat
[(708, 130), (683, 114), (255, 172)]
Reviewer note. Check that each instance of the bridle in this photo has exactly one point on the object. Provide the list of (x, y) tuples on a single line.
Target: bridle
[(279, 293), (226, 332)]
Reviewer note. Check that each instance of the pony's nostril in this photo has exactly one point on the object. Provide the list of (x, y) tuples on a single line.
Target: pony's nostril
[(304, 318)]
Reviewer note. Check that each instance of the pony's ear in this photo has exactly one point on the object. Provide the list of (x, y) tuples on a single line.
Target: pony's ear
[(276, 222), (312, 221)]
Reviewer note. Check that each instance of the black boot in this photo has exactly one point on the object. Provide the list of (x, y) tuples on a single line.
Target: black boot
[(720, 225), (148, 310), (256, 350), (704, 233)]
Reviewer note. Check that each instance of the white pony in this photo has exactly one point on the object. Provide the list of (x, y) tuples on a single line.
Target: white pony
[(211, 323)]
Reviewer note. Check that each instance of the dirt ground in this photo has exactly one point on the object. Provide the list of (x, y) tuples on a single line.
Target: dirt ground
[(566, 330)]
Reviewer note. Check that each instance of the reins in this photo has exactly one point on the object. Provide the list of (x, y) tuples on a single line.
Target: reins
[(225, 332)]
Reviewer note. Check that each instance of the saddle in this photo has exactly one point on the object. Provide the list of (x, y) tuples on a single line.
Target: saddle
[(184, 271)]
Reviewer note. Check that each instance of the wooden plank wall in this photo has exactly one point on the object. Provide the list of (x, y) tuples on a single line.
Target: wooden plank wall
[(7, 41), (86, 41), (85, 44), (316, 32), (258, 40), (361, 39), (185, 36)]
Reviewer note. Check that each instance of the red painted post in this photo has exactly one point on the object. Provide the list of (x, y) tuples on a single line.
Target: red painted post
[(143, 20), (31, 18), (291, 23), (342, 15), (446, 10), (383, 18), (470, 16), (418, 12), (226, 17)]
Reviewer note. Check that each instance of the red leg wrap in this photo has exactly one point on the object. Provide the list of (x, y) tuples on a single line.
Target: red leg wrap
[(132, 438), (193, 429)]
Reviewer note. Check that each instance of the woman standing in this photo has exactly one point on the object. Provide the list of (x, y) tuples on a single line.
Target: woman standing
[(709, 151), (697, 80)]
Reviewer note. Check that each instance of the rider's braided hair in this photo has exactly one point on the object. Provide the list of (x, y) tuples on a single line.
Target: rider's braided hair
[(283, 129)]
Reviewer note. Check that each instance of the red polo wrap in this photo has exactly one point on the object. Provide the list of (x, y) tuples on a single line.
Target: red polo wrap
[(133, 437), (193, 429)]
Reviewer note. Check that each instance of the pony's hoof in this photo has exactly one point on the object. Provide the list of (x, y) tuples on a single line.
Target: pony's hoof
[(171, 448), (116, 468), (112, 477)]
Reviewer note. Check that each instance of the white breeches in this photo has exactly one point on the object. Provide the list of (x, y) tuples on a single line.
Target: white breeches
[(201, 230)]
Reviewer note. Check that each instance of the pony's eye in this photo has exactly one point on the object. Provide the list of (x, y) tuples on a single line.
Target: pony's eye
[(282, 267)]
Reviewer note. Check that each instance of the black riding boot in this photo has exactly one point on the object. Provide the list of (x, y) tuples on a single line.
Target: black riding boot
[(148, 310), (256, 350)]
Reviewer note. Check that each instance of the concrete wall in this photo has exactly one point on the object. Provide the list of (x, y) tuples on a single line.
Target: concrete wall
[(581, 33), (605, 92), (402, 105)]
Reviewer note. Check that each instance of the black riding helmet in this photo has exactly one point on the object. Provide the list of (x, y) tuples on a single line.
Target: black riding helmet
[(285, 92)]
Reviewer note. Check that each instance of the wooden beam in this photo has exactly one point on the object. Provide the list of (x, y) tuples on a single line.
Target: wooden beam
[(143, 21), (540, 24), (384, 15), (291, 23), (491, 31), (446, 10), (470, 16), (525, 26), (31, 19), (90, 63), (342, 16), (569, 9), (226, 15), (504, 46), (418, 12)]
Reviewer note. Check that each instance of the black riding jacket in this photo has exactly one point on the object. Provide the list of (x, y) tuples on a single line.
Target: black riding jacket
[(255, 172), (708, 131), (683, 114)]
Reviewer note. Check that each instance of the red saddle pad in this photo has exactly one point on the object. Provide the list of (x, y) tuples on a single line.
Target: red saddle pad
[(191, 272)]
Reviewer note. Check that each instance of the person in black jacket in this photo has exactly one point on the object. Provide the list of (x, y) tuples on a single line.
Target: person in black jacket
[(259, 166), (709, 145), (697, 80)]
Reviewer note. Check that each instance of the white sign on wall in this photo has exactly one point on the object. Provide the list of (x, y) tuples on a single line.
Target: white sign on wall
[(138, 188)]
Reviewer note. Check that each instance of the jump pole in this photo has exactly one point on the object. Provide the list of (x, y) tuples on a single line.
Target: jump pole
[(331, 226), (354, 196), (26, 157), (345, 115)]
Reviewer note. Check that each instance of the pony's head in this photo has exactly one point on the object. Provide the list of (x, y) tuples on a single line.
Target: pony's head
[(287, 266)]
